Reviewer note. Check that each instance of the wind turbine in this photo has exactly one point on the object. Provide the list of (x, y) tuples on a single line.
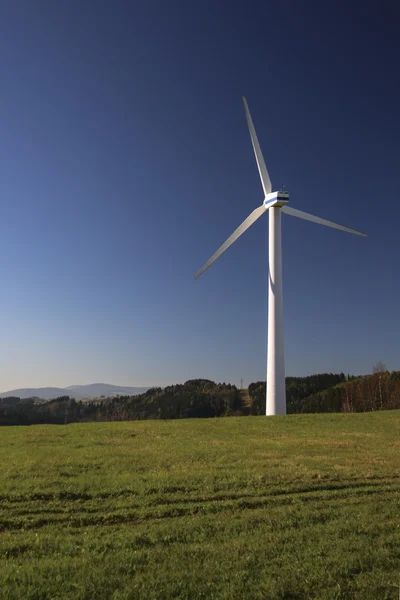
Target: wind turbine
[(276, 203)]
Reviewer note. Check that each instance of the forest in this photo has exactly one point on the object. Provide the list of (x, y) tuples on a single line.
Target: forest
[(202, 398), (329, 392)]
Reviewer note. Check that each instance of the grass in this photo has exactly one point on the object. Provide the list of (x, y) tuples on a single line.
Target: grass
[(306, 506)]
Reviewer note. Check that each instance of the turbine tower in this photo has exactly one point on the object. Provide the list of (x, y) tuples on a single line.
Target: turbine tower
[(276, 204)]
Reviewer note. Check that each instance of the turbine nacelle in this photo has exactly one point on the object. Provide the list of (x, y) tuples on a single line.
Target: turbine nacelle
[(276, 199)]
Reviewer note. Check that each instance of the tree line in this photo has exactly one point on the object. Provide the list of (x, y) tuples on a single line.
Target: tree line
[(329, 392), (199, 398), (202, 398)]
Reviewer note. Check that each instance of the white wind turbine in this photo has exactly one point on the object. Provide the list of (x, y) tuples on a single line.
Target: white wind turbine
[(276, 203)]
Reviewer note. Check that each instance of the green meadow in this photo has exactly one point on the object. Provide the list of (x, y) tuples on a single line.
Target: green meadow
[(304, 506)]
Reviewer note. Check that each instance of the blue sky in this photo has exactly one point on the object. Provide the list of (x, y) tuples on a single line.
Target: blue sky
[(126, 161)]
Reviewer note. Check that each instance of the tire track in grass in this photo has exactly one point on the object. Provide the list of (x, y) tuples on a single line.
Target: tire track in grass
[(181, 507)]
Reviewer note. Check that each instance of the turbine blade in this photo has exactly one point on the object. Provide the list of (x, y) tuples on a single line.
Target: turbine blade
[(262, 169), (232, 238), (307, 217)]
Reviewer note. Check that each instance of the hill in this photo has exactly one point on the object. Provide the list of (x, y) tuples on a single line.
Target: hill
[(326, 392), (304, 506), (91, 390), (195, 398), (330, 392), (96, 390), (45, 393)]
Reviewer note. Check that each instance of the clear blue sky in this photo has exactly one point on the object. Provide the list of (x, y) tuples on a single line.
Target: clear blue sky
[(126, 161)]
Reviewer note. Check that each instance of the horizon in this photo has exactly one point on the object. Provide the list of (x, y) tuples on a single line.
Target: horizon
[(126, 161), (63, 387)]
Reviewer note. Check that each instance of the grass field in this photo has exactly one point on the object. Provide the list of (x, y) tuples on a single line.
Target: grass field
[(305, 506)]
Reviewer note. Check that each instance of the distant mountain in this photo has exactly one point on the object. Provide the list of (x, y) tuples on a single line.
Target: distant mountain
[(92, 390), (95, 390), (46, 393)]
